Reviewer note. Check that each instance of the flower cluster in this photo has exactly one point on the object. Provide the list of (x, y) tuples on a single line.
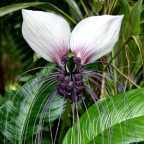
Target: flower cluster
[(50, 36), (70, 78)]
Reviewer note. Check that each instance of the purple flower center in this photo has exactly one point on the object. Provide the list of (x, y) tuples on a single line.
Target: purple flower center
[(70, 79)]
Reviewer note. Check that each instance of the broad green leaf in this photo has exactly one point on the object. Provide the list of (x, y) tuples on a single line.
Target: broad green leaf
[(15, 7), (127, 132), (122, 109)]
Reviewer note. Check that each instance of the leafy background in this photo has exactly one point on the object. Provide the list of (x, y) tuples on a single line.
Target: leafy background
[(30, 110)]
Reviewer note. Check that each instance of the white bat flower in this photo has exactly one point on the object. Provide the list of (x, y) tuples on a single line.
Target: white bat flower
[(50, 36)]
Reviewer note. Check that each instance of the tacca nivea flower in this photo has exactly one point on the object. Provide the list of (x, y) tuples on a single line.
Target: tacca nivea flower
[(50, 36)]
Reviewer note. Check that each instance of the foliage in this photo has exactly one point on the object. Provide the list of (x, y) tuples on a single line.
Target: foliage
[(111, 120), (30, 110)]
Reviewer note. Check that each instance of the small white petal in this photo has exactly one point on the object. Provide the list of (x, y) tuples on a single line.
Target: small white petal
[(47, 34), (95, 36)]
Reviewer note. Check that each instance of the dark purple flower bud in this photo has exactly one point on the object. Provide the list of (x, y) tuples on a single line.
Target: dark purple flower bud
[(76, 60), (78, 77), (120, 87), (70, 83), (69, 89), (62, 86), (67, 79), (64, 59), (79, 83)]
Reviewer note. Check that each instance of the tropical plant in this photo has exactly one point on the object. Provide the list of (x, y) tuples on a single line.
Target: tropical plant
[(32, 112)]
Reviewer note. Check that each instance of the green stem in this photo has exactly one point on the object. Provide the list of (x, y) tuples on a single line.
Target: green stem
[(114, 72)]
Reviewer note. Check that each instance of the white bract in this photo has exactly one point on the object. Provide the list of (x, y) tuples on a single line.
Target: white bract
[(49, 35)]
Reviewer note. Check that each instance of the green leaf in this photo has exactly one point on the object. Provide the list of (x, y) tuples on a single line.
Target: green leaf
[(97, 6), (135, 17), (109, 114), (127, 132), (54, 110), (124, 7), (139, 57), (15, 7), (37, 97), (36, 93), (74, 9)]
